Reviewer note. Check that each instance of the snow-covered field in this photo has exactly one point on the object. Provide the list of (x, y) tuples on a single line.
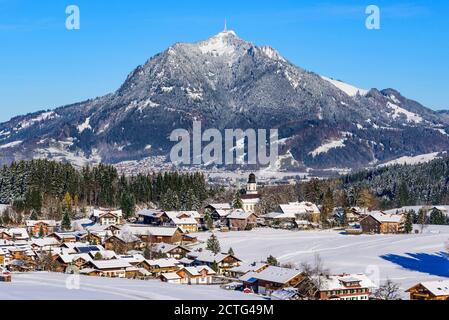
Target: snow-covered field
[(406, 259), (52, 286)]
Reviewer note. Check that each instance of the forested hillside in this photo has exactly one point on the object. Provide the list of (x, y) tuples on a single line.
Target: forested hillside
[(400, 185), (38, 184)]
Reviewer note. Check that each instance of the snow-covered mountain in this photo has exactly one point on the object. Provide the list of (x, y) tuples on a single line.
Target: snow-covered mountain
[(227, 82)]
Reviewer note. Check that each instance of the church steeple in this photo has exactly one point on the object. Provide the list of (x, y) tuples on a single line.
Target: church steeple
[(251, 187)]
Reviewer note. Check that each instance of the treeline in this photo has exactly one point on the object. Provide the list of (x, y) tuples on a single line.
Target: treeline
[(405, 185), (42, 185)]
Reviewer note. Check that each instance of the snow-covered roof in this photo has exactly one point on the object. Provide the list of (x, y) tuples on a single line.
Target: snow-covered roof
[(142, 230), (105, 254), (32, 223), (208, 256), (132, 258), (149, 212), (49, 241), (223, 213), (196, 270), (437, 288), (163, 263), (183, 217), (69, 258), (339, 282), (110, 264), (165, 247), (299, 208), (248, 267), (18, 233), (382, 217), (277, 274), (284, 294), (239, 214), (171, 276), (221, 206), (101, 212)]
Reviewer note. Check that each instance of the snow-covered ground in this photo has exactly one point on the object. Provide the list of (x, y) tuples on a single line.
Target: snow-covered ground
[(405, 259), (53, 286)]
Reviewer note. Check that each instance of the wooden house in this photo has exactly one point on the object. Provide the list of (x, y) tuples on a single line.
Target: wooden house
[(159, 266), (123, 243), (171, 250), (64, 237), (337, 287), (14, 234), (271, 279), (430, 290), (187, 221), (196, 275), (223, 261), (381, 223), (239, 220), (243, 269), (107, 217), (37, 228), (115, 268), (151, 235)]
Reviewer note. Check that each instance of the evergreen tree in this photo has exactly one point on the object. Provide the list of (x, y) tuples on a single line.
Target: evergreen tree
[(128, 205), (41, 232), (403, 195), (237, 202), (272, 261), (209, 222), (215, 266), (437, 217), (213, 244), (147, 253), (33, 215), (408, 228), (6, 218), (66, 223), (328, 206)]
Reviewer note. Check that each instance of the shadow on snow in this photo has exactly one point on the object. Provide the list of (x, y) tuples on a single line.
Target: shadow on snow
[(434, 264)]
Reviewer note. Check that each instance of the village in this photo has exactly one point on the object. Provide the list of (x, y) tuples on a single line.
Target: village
[(183, 248)]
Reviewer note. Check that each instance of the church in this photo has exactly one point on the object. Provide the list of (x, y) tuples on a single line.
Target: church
[(250, 196)]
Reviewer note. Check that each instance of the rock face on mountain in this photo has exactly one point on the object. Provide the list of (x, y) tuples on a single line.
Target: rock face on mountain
[(228, 83)]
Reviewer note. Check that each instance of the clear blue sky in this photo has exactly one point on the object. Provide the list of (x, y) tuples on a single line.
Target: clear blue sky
[(43, 65)]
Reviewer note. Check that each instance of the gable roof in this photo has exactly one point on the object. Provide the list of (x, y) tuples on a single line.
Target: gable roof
[(110, 264), (220, 206), (196, 270), (437, 288), (337, 282), (32, 223), (385, 218), (163, 263), (165, 247), (209, 256), (239, 215), (277, 274), (143, 230), (299, 208), (98, 213), (248, 267), (182, 217)]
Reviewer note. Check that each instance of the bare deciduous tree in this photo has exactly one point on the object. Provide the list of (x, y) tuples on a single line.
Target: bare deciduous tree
[(388, 291)]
